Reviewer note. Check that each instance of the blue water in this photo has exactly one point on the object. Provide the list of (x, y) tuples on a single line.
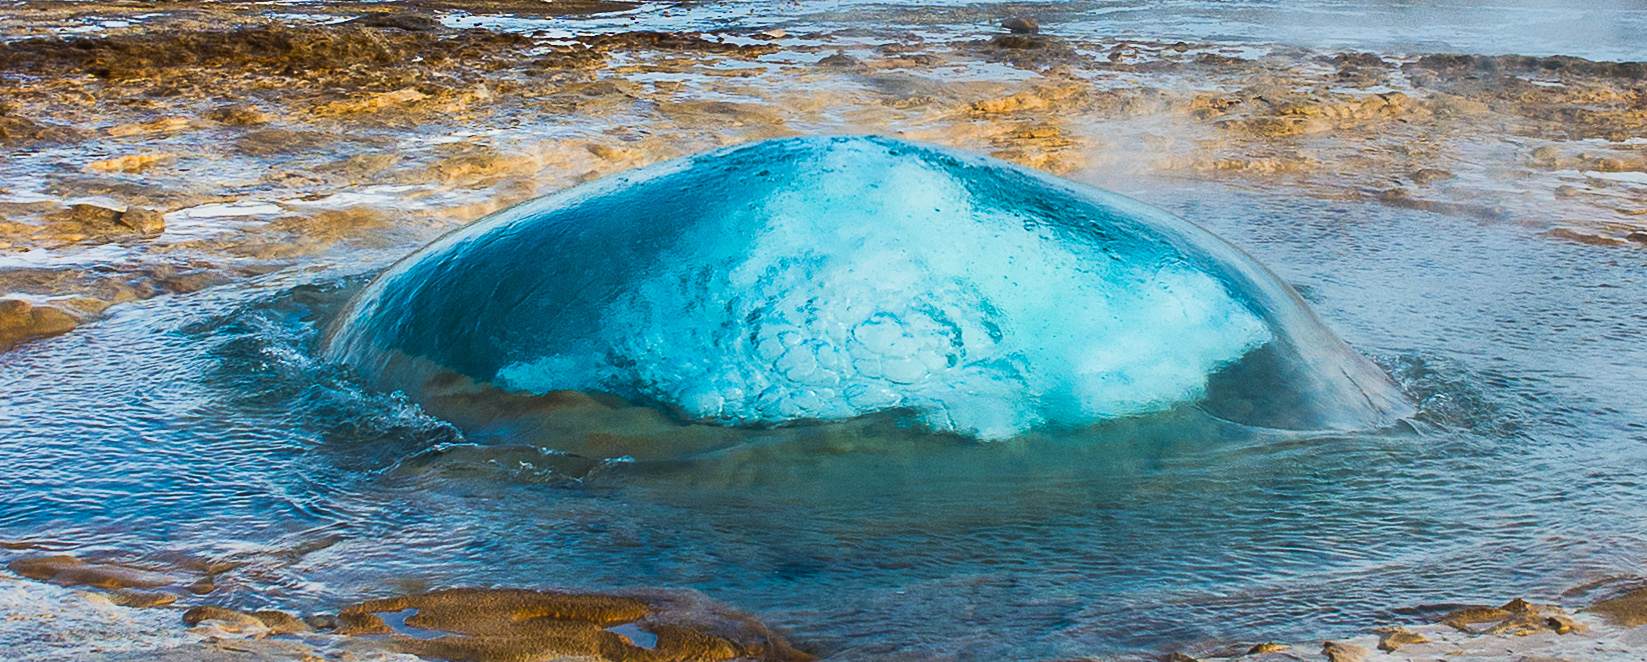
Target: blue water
[(828, 278), (205, 425)]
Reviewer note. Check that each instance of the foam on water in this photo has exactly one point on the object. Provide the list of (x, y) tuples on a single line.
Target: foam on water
[(829, 278)]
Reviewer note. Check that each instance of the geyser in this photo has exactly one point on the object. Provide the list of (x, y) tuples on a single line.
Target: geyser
[(827, 278)]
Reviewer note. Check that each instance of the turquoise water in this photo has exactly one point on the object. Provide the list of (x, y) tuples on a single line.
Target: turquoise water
[(205, 425)]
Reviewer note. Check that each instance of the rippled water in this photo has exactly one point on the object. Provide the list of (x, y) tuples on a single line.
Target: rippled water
[(204, 424), (1600, 30)]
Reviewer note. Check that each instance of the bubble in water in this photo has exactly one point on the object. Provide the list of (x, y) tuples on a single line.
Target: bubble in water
[(829, 278)]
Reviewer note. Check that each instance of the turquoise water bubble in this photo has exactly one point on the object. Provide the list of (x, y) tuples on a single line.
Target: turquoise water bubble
[(829, 278)]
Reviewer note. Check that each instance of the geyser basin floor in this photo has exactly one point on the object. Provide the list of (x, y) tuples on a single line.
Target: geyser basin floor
[(223, 437)]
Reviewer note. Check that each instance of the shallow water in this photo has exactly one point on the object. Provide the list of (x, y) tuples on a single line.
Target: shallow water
[(205, 425), (1605, 30)]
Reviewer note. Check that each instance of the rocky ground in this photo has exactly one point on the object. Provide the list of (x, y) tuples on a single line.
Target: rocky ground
[(118, 611), (153, 149)]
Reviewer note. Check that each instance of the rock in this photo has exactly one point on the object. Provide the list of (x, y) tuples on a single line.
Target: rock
[(1462, 618), (1638, 237), (1426, 175), (839, 59), (1180, 657), (70, 571), (1267, 647), (1398, 637), (323, 622), (511, 624), (398, 21), (1338, 651), (97, 222), (203, 586), (130, 163), (1564, 624), (140, 599), (774, 33), (21, 320), (280, 622), (1022, 25), (227, 620), (1628, 610), (142, 220), (239, 115)]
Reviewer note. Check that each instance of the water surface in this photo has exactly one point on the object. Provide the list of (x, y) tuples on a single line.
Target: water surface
[(204, 424)]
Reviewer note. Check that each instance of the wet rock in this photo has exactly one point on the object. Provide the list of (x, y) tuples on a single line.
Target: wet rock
[(1022, 25), (512, 624), (140, 599), (279, 622), (143, 221), (19, 131), (1463, 618), (674, 41), (270, 142), (323, 622), (21, 320), (1583, 237), (840, 59), (1564, 624), (239, 115), (398, 21), (1358, 60), (70, 571), (130, 163), (1395, 638), (1338, 651), (227, 620), (86, 221), (202, 586), (1425, 176), (1268, 646), (1628, 610), (1176, 656)]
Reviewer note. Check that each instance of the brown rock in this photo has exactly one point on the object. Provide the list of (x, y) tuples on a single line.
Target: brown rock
[(1268, 646), (1628, 610), (1022, 25), (1564, 624), (518, 624), (203, 586), (1338, 651), (839, 59), (19, 321), (1176, 656), (140, 599), (70, 571), (143, 221), (228, 620), (280, 622), (1398, 637), (239, 115), (1463, 618)]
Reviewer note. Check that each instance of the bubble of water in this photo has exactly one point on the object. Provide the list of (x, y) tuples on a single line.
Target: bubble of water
[(826, 278)]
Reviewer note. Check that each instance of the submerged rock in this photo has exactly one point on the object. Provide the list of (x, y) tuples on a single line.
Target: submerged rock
[(822, 279)]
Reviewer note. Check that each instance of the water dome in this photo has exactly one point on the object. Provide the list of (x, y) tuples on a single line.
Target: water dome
[(824, 279)]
